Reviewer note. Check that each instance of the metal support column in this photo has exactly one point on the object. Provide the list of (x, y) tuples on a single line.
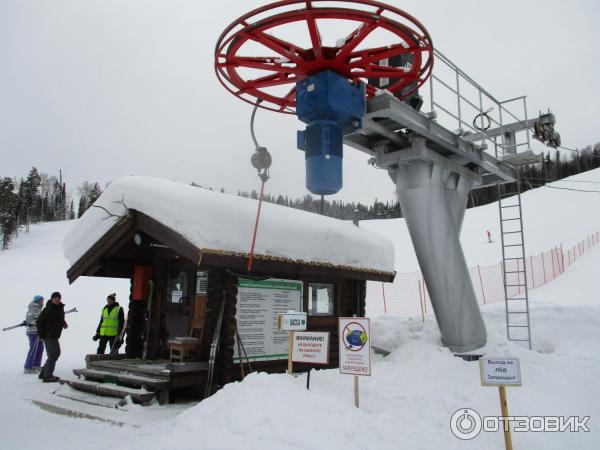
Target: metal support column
[(434, 200)]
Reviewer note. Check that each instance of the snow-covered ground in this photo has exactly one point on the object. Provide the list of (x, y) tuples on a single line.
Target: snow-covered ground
[(406, 403)]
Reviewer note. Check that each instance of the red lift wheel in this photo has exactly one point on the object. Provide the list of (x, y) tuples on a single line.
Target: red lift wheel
[(290, 63)]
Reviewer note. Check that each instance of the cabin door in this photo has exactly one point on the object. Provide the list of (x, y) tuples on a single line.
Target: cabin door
[(177, 303)]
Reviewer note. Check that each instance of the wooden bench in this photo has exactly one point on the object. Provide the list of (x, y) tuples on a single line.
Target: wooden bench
[(184, 349)]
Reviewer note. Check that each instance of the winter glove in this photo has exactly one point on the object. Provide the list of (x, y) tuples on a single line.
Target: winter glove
[(96, 337)]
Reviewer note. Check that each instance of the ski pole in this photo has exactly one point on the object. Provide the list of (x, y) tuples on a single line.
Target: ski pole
[(37, 343), (24, 323), (35, 349)]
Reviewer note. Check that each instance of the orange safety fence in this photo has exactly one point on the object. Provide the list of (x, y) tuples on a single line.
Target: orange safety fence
[(408, 296)]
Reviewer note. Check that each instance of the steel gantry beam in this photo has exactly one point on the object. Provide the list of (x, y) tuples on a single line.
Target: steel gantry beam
[(390, 125)]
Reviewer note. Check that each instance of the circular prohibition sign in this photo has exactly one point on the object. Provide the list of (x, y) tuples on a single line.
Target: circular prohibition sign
[(353, 341)]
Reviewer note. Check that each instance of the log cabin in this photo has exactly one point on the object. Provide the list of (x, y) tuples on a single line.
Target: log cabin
[(197, 317)]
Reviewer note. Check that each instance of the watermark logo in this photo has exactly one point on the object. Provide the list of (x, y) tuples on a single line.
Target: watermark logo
[(466, 423)]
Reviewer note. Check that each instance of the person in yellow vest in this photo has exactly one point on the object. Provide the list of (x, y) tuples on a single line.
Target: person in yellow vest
[(112, 321)]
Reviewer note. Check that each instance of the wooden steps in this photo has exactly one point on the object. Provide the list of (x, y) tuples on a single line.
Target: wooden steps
[(140, 367), (121, 376), (111, 390), (124, 379)]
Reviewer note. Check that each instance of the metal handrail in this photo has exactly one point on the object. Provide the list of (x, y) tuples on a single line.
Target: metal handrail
[(502, 110)]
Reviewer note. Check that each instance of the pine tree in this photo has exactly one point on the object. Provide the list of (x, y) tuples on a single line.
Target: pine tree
[(56, 201), (63, 202), (83, 206), (95, 193), (31, 197), (88, 194), (557, 166), (71, 212), (21, 211), (8, 210)]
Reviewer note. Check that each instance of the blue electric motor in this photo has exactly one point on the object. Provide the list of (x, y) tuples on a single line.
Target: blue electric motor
[(330, 106)]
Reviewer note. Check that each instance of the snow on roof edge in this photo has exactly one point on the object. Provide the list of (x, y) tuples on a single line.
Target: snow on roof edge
[(223, 222)]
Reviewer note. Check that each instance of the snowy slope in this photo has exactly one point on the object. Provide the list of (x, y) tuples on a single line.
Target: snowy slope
[(550, 216), (34, 264), (408, 401)]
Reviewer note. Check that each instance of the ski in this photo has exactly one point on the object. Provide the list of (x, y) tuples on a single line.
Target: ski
[(214, 349), (148, 316), (119, 340), (118, 405), (24, 323)]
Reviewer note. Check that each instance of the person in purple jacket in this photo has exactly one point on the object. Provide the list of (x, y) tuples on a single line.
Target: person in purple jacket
[(36, 345)]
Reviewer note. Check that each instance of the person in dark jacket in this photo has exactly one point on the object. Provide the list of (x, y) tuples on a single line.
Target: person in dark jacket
[(50, 324), (36, 346), (112, 321)]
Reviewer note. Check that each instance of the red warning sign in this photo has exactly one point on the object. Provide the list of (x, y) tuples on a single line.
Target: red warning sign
[(310, 347)]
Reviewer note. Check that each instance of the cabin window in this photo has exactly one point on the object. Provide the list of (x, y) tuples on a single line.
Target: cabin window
[(320, 299)]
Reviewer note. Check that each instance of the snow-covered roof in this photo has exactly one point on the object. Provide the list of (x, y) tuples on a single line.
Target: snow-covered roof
[(222, 222)]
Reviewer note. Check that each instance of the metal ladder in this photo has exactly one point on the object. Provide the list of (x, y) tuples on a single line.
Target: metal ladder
[(514, 273)]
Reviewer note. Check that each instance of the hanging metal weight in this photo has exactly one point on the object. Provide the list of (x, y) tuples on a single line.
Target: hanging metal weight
[(261, 161)]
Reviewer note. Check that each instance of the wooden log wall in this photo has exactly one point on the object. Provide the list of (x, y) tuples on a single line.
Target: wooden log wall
[(350, 300), (221, 286), (228, 330)]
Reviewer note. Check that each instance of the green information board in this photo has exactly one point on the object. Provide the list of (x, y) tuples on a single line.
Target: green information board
[(258, 304)]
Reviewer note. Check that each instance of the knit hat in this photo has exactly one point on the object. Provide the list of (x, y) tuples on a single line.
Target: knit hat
[(113, 296), (38, 299), (55, 294)]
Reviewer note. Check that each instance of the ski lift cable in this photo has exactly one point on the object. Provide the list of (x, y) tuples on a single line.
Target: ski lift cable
[(261, 161), (571, 189), (252, 123), (563, 180), (261, 158), (562, 188), (591, 155)]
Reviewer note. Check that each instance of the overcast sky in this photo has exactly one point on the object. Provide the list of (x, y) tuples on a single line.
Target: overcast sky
[(108, 88)]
